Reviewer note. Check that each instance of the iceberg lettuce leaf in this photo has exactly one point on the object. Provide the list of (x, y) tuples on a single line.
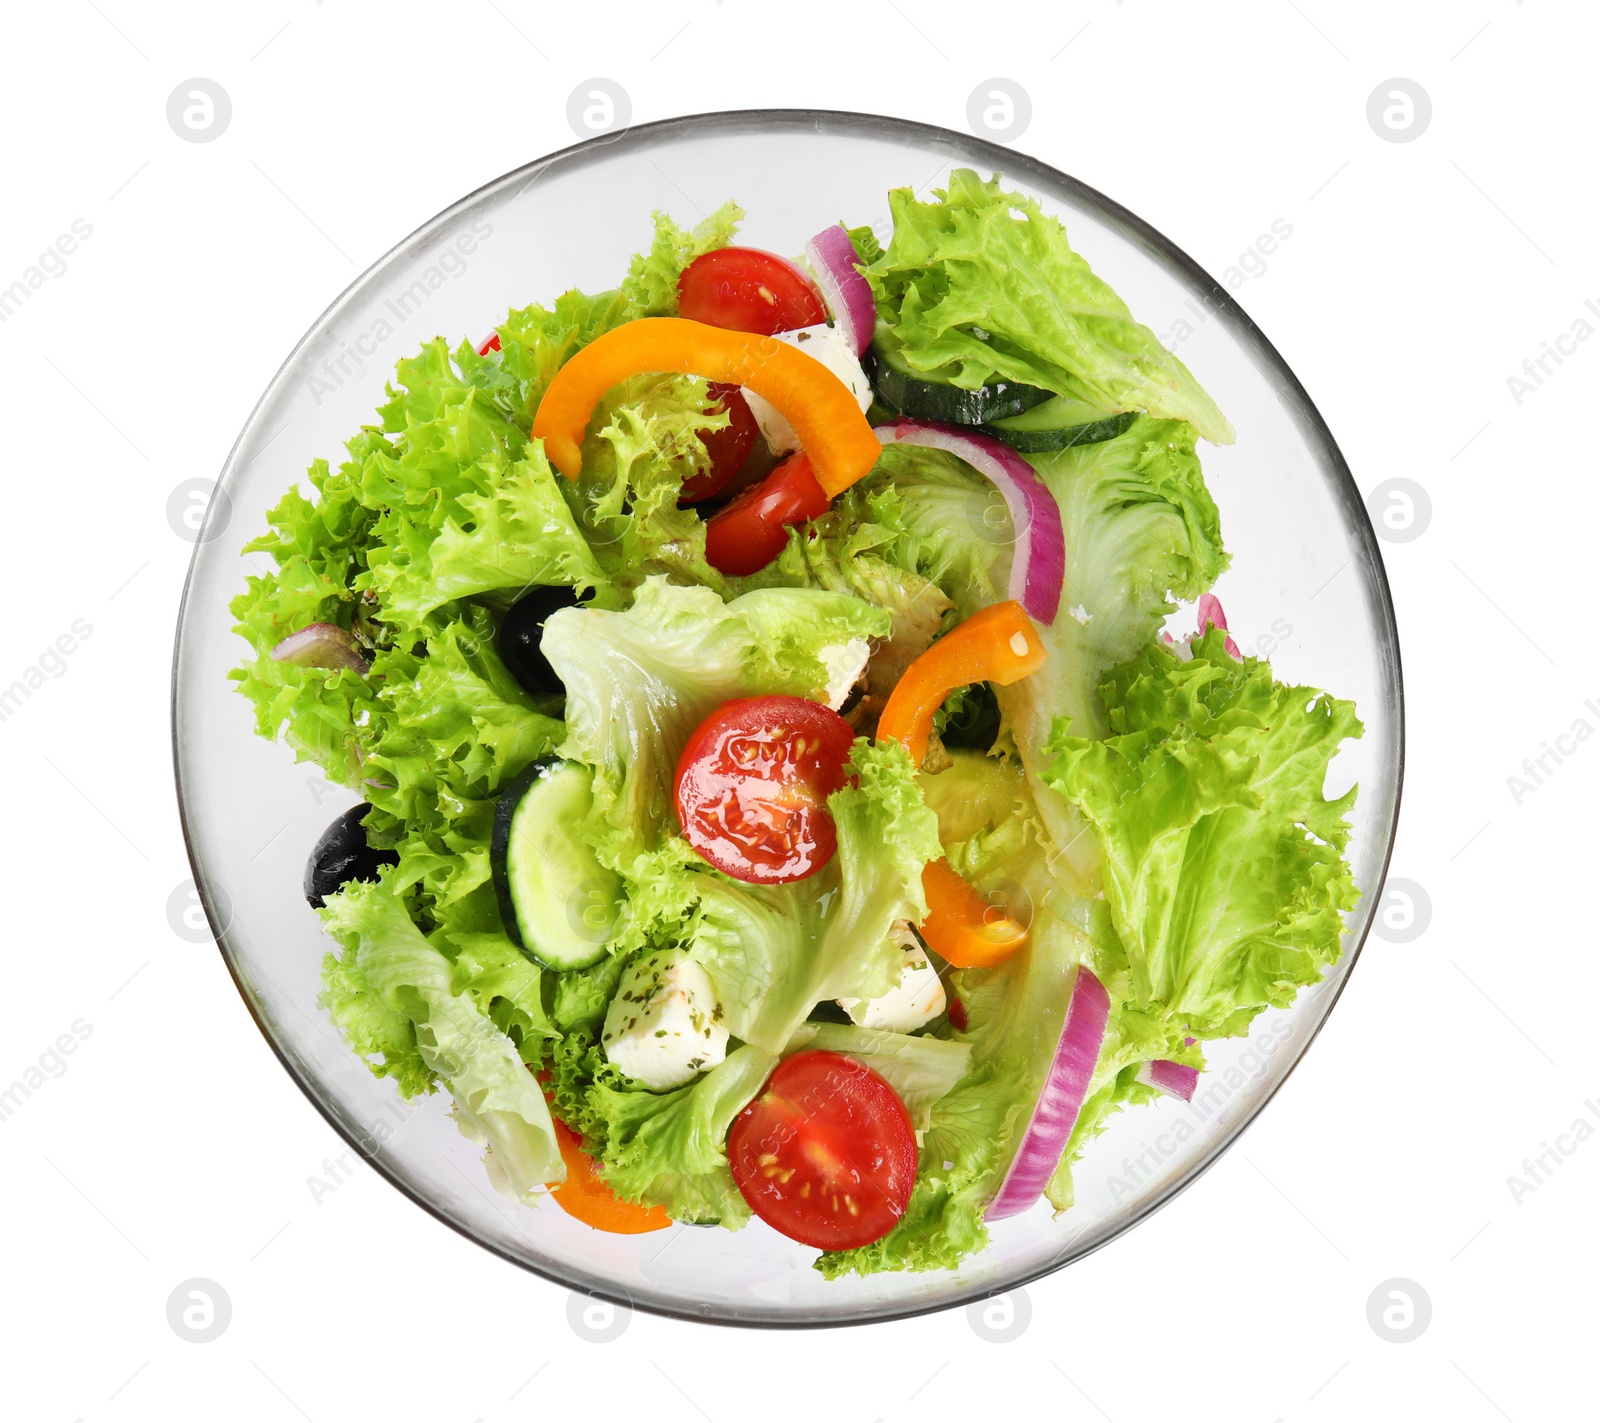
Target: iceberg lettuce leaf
[(455, 1039)]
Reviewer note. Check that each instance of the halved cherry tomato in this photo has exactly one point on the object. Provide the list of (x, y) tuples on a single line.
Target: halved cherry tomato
[(719, 294), (753, 784), (826, 1154), (585, 1196), (746, 289), (728, 447), (492, 344), (752, 531)]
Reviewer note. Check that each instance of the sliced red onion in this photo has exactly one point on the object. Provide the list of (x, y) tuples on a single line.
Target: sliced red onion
[(1173, 1078), (1060, 1100), (1211, 615), (834, 260), (321, 645), (1039, 557)]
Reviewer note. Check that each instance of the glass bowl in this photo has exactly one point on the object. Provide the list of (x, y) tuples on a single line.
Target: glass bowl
[(1307, 586)]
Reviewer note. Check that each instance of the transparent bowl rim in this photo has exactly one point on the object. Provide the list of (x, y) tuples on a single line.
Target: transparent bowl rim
[(1013, 163)]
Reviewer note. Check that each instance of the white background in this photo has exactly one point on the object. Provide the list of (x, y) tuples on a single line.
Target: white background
[(1418, 277)]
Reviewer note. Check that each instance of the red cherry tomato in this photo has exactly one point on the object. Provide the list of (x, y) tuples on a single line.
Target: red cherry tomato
[(753, 785), (746, 289), (826, 1154), (752, 531), (492, 344), (741, 289), (728, 447)]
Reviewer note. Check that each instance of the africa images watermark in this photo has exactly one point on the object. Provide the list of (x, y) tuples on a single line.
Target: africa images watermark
[(1536, 370), (50, 1063), (1537, 770), (1210, 1098), (369, 1141), (52, 262), (351, 358), (1250, 264), (1538, 1170), (51, 663)]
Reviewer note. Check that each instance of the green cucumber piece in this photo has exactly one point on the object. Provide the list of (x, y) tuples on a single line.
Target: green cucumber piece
[(926, 396), (559, 903), (1058, 424)]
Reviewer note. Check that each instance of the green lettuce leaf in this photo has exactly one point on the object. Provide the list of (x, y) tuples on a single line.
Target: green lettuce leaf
[(1141, 531), (502, 980), (376, 1026), (670, 1149), (982, 284), (922, 1070), (856, 547), (320, 547), (644, 443), (449, 465), (456, 1041), (976, 792), (948, 524), (639, 682), (1224, 865), (517, 533), (865, 241), (582, 995), (775, 951)]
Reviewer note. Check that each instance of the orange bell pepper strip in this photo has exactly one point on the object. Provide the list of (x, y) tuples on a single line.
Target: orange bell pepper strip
[(964, 928), (585, 1196), (820, 407), (999, 644)]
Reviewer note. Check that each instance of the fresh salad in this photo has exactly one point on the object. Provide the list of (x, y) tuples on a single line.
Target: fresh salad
[(779, 794)]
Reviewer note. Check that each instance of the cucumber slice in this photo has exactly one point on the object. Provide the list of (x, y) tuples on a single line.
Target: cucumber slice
[(559, 904), (1058, 424), (925, 396)]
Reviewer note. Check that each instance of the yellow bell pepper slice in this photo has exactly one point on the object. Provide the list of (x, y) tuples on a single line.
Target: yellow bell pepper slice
[(833, 432)]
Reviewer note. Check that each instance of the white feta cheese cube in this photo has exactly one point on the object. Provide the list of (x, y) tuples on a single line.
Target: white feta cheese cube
[(917, 999), (664, 1027), (825, 344)]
